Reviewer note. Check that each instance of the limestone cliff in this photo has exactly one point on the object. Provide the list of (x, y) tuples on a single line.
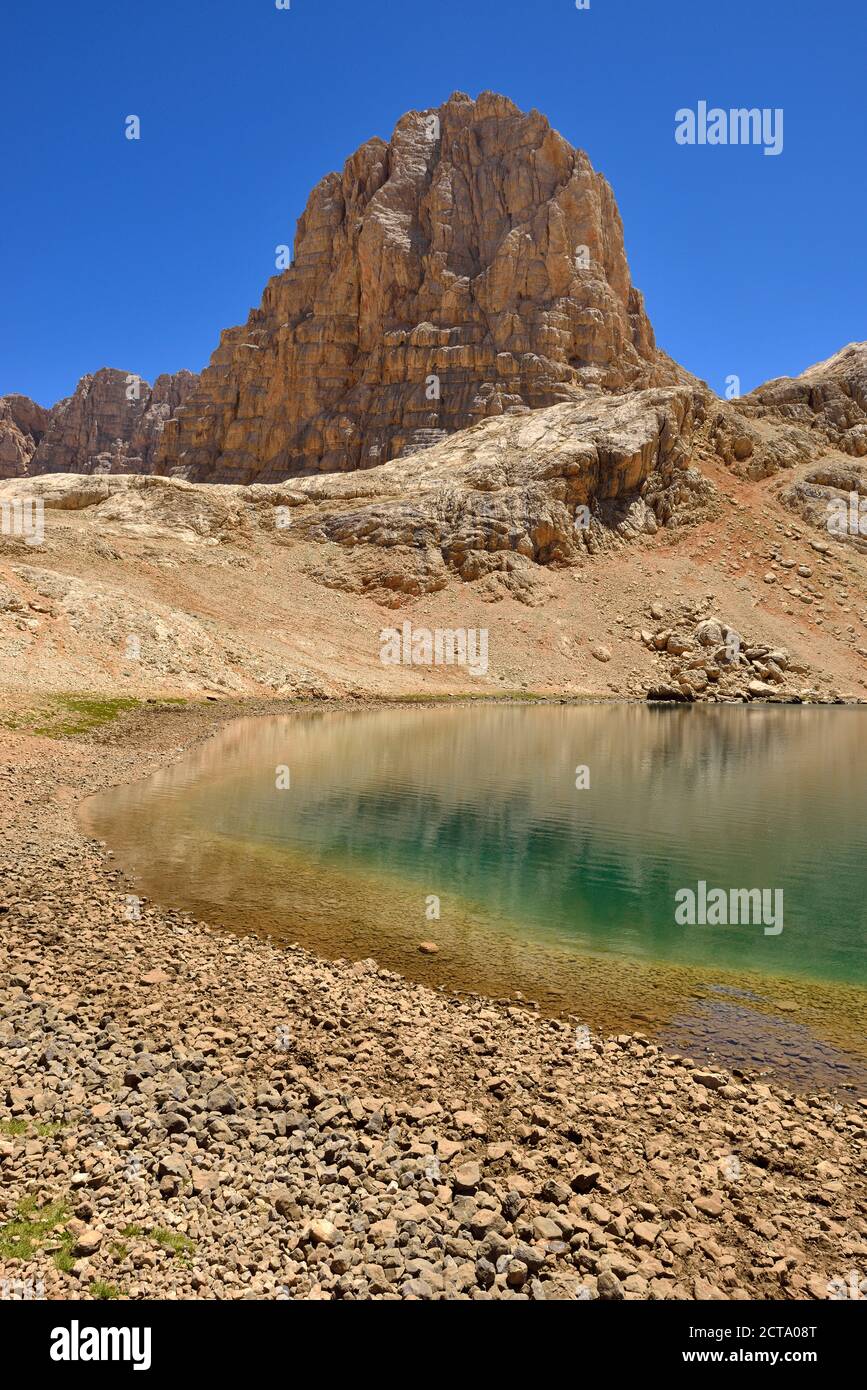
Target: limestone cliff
[(111, 424), (830, 397), (22, 426), (472, 267)]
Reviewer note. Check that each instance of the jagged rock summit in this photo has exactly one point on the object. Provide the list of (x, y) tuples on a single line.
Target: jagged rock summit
[(471, 267), (110, 424), (22, 426), (830, 396)]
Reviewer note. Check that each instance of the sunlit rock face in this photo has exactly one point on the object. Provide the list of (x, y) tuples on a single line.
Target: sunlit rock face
[(110, 424), (829, 397), (472, 267), (22, 425)]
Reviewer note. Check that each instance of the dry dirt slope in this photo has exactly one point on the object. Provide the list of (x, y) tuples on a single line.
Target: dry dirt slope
[(148, 585)]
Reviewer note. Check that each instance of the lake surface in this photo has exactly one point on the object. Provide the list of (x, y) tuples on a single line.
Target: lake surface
[(365, 833)]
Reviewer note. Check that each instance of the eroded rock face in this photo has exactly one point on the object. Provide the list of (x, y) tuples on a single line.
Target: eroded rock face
[(498, 503), (22, 426), (111, 424), (472, 267), (832, 497), (830, 397)]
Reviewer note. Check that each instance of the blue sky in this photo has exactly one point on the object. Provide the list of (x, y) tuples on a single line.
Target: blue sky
[(136, 254)]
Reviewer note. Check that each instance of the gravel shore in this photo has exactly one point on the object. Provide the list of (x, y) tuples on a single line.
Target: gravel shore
[(187, 1113)]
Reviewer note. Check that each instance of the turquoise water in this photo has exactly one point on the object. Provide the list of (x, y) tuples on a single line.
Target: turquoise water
[(477, 807), (482, 803)]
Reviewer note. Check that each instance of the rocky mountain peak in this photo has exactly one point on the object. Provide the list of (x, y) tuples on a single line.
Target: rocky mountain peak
[(471, 267), (110, 424)]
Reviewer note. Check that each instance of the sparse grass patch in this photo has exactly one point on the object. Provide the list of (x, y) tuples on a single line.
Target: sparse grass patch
[(63, 1257), (14, 1128), (179, 1245), (22, 719), (21, 1238), (103, 1291), (80, 714), (49, 1129), (173, 1240), (65, 715)]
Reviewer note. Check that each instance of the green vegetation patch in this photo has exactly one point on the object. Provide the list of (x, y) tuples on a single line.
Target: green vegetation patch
[(32, 1227), (14, 1128), (70, 715), (173, 1240), (103, 1291), (170, 1240)]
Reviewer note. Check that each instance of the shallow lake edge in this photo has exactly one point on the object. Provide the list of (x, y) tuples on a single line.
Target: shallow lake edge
[(199, 721)]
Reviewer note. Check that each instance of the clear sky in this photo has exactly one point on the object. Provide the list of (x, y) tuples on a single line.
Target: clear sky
[(135, 254)]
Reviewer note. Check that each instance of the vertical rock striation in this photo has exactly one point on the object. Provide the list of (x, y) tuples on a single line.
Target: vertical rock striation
[(22, 426), (472, 267), (112, 423)]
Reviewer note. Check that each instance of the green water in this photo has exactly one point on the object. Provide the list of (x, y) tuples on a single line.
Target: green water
[(536, 877)]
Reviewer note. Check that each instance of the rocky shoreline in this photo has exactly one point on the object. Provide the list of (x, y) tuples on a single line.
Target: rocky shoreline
[(187, 1113)]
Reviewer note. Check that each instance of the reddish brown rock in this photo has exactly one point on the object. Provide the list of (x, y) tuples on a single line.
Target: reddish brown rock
[(473, 266), (22, 426), (110, 424)]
